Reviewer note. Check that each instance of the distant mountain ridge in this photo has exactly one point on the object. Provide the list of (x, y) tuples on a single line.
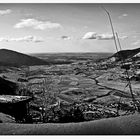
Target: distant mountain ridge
[(13, 58)]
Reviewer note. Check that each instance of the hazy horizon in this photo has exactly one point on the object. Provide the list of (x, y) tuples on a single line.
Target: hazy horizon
[(70, 53), (65, 28)]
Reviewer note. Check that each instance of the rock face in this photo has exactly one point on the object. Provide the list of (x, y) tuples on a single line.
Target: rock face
[(13, 58), (7, 87), (125, 54), (4, 118)]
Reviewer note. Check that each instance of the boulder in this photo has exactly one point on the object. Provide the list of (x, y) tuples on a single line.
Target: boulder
[(4, 118)]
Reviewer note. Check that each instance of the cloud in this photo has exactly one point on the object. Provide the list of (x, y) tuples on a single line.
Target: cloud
[(90, 35), (24, 39), (4, 12), (123, 15), (105, 37), (123, 37), (64, 37), (94, 35), (3, 39), (135, 43), (36, 24), (135, 36)]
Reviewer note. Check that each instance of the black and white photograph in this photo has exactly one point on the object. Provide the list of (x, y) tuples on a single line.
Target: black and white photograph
[(69, 69)]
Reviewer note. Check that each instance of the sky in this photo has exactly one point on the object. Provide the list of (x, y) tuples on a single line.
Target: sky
[(53, 28)]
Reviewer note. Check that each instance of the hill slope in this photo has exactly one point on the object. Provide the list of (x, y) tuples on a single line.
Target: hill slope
[(125, 54), (13, 58)]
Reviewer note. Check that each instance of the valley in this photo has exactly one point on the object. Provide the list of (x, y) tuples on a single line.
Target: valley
[(89, 88)]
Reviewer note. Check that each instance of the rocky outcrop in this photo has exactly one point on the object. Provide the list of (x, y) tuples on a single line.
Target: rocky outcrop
[(7, 87), (4, 118)]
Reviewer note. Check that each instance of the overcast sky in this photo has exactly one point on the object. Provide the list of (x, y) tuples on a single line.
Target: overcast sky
[(33, 28)]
